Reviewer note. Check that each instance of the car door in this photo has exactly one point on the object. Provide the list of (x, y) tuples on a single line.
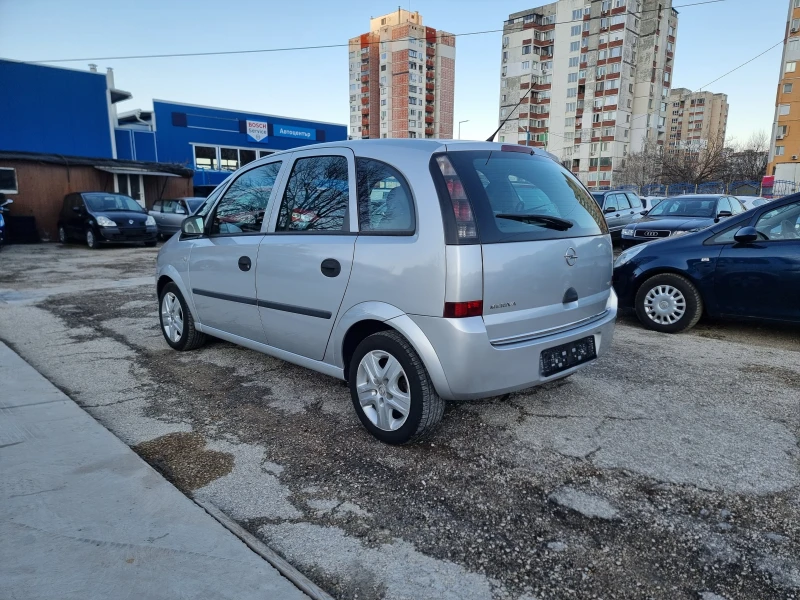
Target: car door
[(222, 272), (612, 214), (77, 216), (305, 258), (624, 208), (636, 206), (762, 279), (174, 214)]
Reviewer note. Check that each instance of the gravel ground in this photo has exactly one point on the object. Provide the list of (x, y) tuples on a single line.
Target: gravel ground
[(670, 469)]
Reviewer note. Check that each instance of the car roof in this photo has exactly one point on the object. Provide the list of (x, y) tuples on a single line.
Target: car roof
[(698, 196)]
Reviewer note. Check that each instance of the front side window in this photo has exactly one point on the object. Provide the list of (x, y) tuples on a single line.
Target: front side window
[(242, 208), (316, 196), (780, 223), (384, 198)]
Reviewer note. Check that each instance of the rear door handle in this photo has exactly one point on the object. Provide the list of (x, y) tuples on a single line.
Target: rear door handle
[(330, 267), (244, 263)]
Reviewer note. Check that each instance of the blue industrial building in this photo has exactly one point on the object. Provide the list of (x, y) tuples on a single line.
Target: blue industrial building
[(213, 141)]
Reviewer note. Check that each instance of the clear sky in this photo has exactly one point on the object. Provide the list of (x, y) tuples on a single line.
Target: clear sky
[(312, 84)]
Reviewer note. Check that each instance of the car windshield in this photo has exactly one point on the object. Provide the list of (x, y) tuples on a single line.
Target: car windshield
[(111, 203), (194, 204), (685, 207)]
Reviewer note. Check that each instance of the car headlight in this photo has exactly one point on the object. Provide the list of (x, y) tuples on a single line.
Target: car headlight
[(628, 232), (105, 222), (150, 220), (628, 254), (674, 233)]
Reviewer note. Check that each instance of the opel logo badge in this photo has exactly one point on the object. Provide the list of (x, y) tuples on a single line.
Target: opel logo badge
[(571, 256), (130, 221)]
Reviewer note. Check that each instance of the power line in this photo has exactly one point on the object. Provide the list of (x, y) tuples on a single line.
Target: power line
[(327, 46)]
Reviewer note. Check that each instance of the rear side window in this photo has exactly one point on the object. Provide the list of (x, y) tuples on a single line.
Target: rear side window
[(622, 202), (520, 197), (316, 196), (384, 198), (157, 206), (634, 200), (611, 203)]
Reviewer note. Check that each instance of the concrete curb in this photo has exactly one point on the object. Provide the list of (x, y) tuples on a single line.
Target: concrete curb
[(302, 582)]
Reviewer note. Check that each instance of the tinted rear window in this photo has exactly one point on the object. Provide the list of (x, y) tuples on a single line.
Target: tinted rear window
[(512, 183)]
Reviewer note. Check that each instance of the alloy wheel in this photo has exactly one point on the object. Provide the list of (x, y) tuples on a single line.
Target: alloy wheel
[(172, 317), (383, 390), (665, 304)]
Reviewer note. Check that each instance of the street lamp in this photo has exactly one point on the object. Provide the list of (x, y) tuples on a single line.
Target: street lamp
[(459, 127)]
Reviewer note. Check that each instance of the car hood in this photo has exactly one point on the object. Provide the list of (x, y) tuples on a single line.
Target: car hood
[(674, 223), (123, 217)]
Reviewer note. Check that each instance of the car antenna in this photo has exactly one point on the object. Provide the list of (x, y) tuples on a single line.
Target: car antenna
[(496, 131)]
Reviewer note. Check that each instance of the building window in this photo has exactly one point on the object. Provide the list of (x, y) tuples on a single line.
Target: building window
[(790, 66), (205, 158), (8, 181), (572, 92), (779, 150), (526, 49), (787, 88), (412, 123), (577, 15), (572, 77), (575, 30), (574, 46), (570, 107), (573, 61), (783, 109)]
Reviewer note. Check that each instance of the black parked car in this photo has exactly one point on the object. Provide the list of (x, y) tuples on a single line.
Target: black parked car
[(97, 217), (747, 266), (679, 215), (620, 208)]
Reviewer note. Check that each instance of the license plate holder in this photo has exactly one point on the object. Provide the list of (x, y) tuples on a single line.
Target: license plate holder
[(560, 358)]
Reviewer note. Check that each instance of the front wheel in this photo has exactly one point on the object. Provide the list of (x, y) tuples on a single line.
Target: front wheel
[(62, 234), (91, 239), (177, 323), (668, 303), (391, 390)]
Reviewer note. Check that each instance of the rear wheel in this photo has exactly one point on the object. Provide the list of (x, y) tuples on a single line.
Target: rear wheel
[(91, 239), (177, 323), (62, 234), (391, 390), (668, 303)]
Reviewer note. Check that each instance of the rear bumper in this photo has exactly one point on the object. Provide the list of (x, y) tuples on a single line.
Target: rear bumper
[(474, 368), (116, 234)]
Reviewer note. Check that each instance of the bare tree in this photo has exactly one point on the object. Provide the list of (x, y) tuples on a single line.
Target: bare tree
[(748, 161), (695, 163), (643, 167)]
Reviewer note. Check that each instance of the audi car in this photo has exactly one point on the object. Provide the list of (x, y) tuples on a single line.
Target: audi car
[(680, 215)]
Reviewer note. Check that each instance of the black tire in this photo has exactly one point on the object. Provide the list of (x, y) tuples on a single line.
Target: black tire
[(692, 303), (426, 407), (190, 338), (91, 239), (62, 234), (149, 244)]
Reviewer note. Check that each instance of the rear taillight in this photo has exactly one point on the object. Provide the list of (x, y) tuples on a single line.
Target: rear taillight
[(465, 221), (459, 310)]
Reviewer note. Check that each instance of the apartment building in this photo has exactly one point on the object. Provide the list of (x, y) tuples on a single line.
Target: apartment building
[(784, 150), (594, 79), (696, 119), (402, 79)]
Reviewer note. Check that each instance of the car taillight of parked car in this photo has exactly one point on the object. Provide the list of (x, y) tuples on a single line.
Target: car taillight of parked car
[(462, 211)]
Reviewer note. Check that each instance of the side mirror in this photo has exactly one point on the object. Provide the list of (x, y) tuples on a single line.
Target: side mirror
[(610, 209), (644, 212), (6, 203), (724, 213), (77, 209), (746, 235), (193, 226)]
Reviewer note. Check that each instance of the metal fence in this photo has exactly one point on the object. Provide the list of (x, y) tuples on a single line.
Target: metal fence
[(734, 188)]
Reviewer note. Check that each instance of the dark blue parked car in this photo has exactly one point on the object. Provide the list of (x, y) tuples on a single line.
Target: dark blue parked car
[(747, 266)]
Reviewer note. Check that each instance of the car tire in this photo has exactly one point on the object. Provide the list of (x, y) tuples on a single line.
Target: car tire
[(180, 335), (385, 369), (62, 234), (668, 303), (91, 239)]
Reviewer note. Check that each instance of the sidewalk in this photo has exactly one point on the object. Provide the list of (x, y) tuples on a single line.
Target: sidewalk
[(83, 517)]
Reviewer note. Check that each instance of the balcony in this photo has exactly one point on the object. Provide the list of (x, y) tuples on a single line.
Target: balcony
[(365, 110), (429, 119), (364, 78), (430, 52), (364, 122), (429, 131), (365, 89), (428, 97), (429, 63), (365, 101), (430, 86), (429, 108)]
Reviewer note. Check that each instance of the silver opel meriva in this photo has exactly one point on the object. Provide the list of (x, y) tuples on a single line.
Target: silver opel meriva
[(418, 271)]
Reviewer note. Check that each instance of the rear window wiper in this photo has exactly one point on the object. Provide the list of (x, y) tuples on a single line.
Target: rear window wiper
[(543, 220)]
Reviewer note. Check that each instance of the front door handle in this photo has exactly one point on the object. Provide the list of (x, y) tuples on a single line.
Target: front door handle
[(330, 267), (244, 263)]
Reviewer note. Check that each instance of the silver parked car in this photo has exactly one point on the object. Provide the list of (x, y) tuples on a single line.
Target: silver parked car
[(169, 214), (418, 271)]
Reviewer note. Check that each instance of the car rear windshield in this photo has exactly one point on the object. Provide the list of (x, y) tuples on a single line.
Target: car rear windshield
[(111, 203), (520, 197), (685, 207)]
